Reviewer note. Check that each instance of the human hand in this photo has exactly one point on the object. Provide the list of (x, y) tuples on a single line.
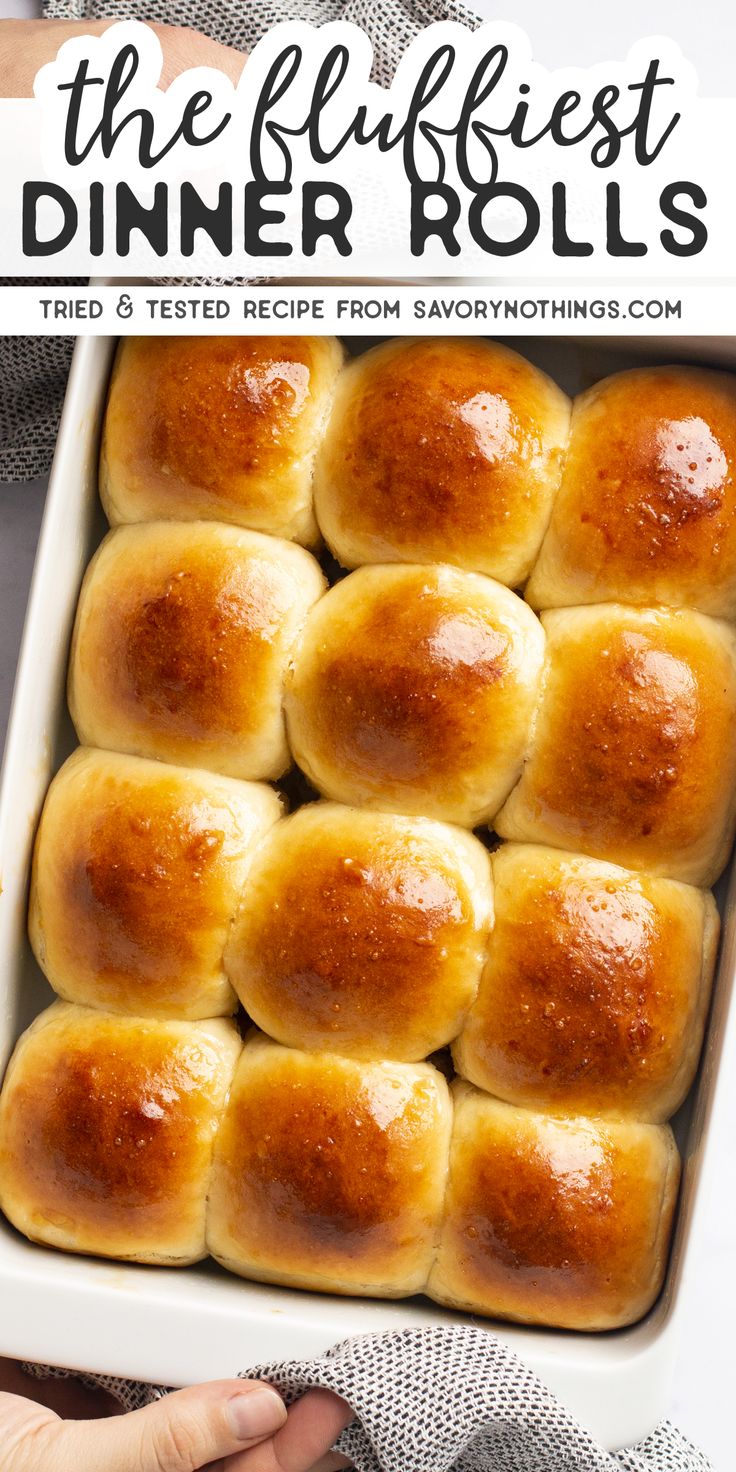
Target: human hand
[(26, 46), (225, 1426)]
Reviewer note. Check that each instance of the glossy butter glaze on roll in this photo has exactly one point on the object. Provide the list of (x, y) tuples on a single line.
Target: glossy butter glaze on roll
[(564, 1222), (107, 1127), (330, 1173), (183, 636), (594, 995), (221, 428), (634, 752), (445, 450), (646, 512), (413, 689), (362, 933), (137, 874)]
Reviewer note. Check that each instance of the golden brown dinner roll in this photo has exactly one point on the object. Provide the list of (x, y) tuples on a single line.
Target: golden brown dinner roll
[(563, 1222), (634, 756), (413, 690), (647, 508), (330, 1173), (183, 636), (137, 874), (594, 994), (441, 451), (217, 427), (106, 1132), (362, 933)]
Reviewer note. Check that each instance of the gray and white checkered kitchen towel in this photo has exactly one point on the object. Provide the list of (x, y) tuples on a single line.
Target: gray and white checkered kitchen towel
[(433, 1400), (447, 1400)]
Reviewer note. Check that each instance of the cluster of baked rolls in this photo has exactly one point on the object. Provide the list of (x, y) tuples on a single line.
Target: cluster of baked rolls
[(459, 1054)]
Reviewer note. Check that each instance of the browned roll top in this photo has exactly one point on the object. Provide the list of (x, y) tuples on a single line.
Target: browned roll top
[(217, 427), (106, 1131), (252, 388), (595, 989), (441, 450), (554, 1221), (633, 757), (137, 874), (332, 1159), (412, 690), (183, 636), (362, 932), (330, 1172), (186, 647), (647, 508), (157, 923)]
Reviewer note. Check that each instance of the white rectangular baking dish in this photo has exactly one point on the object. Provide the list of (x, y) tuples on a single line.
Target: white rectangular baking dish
[(181, 1326)]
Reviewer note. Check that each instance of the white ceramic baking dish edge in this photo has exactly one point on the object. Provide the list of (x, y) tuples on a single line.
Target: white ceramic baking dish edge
[(178, 1327)]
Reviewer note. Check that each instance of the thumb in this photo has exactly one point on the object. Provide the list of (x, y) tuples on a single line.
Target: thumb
[(182, 1432)]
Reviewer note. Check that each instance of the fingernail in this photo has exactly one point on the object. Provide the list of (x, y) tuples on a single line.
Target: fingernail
[(256, 1413)]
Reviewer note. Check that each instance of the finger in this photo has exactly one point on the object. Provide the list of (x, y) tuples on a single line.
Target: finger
[(183, 47), (27, 45), (23, 1423), (312, 1427), (180, 1433), (332, 1462)]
